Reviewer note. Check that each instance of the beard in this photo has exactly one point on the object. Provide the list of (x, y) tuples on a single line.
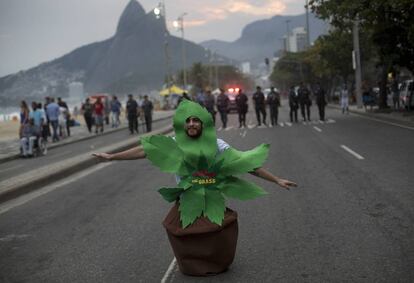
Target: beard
[(193, 135)]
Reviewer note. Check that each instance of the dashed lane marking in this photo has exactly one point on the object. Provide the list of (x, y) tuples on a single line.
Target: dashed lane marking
[(330, 121), (352, 152), (317, 129)]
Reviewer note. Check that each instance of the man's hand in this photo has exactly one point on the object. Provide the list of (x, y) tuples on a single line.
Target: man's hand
[(286, 184), (103, 156)]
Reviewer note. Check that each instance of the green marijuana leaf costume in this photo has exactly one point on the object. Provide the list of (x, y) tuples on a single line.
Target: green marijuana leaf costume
[(206, 177)]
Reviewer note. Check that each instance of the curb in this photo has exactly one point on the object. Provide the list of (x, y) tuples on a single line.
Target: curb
[(372, 115), (35, 179), (63, 143)]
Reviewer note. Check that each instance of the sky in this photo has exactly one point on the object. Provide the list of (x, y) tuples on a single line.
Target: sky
[(37, 31)]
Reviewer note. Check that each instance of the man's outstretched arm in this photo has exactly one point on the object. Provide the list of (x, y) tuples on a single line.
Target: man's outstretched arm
[(266, 175), (130, 154)]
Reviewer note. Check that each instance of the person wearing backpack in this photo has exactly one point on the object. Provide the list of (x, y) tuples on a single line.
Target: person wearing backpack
[(222, 105)]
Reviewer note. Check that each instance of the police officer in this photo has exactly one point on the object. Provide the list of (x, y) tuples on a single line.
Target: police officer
[(223, 107), (209, 103), (304, 101), (273, 100), (147, 108), (242, 107), (320, 101), (293, 104), (259, 105), (132, 113)]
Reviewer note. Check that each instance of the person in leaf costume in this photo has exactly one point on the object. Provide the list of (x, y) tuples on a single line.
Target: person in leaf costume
[(206, 170)]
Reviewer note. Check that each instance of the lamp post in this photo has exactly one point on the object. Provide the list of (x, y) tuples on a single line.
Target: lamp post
[(287, 36), (159, 12), (179, 25)]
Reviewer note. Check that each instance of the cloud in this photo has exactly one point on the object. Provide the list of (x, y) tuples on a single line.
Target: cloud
[(223, 10)]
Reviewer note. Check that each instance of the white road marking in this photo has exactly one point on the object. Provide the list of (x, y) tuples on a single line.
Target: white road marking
[(281, 124), (304, 123), (250, 126), (30, 196), (169, 271), (219, 129), (244, 134), (229, 128), (10, 168), (330, 121), (289, 124), (352, 152), (321, 122), (316, 128)]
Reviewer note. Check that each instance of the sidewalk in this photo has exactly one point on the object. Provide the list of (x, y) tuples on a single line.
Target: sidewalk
[(9, 148), (389, 115)]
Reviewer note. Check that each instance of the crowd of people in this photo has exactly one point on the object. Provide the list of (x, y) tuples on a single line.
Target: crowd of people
[(52, 120), (299, 99), (100, 112)]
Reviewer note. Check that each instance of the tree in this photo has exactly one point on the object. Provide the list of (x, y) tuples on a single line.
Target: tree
[(389, 22)]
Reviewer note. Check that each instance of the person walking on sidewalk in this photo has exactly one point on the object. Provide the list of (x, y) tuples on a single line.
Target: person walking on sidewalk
[(304, 101), (87, 111), (395, 94), (98, 113), (345, 99), (147, 108), (273, 100), (320, 101), (259, 105), (242, 107), (132, 113), (53, 112), (293, 104), (223, 107), (115, 111)]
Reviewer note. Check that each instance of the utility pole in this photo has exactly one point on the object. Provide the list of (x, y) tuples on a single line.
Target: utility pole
[(307, 25), (357, 63), (287, 36)]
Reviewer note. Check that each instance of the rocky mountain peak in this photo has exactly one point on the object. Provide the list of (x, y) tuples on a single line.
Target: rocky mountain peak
[(130, 17)]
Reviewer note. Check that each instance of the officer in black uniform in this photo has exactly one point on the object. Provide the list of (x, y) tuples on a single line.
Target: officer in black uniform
[(147, 108), (304, 101), (242, 107), (132, 112), (320, 101), (273, 100), (259, 105), (222, 104), (293, 104)]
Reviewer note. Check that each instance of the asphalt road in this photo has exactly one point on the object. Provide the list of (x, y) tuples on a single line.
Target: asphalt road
[(350, 219), (17, 166)]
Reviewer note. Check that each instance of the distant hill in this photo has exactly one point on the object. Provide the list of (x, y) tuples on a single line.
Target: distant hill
[(133, 59), (263, 38)]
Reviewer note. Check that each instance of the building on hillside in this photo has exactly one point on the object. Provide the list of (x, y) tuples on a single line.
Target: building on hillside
[(296, 41)]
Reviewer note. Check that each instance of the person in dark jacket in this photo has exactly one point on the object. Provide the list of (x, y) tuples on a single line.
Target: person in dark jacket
[(304, 101), (209, 103), (259, 105), (132, 112), (222, 104), (147, 108), (242, 107), (320, 101), (87, 111), (273, 100), (293, 104)]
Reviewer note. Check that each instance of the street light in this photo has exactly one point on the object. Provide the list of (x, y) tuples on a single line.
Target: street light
[(179, 26), (159, 12)]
